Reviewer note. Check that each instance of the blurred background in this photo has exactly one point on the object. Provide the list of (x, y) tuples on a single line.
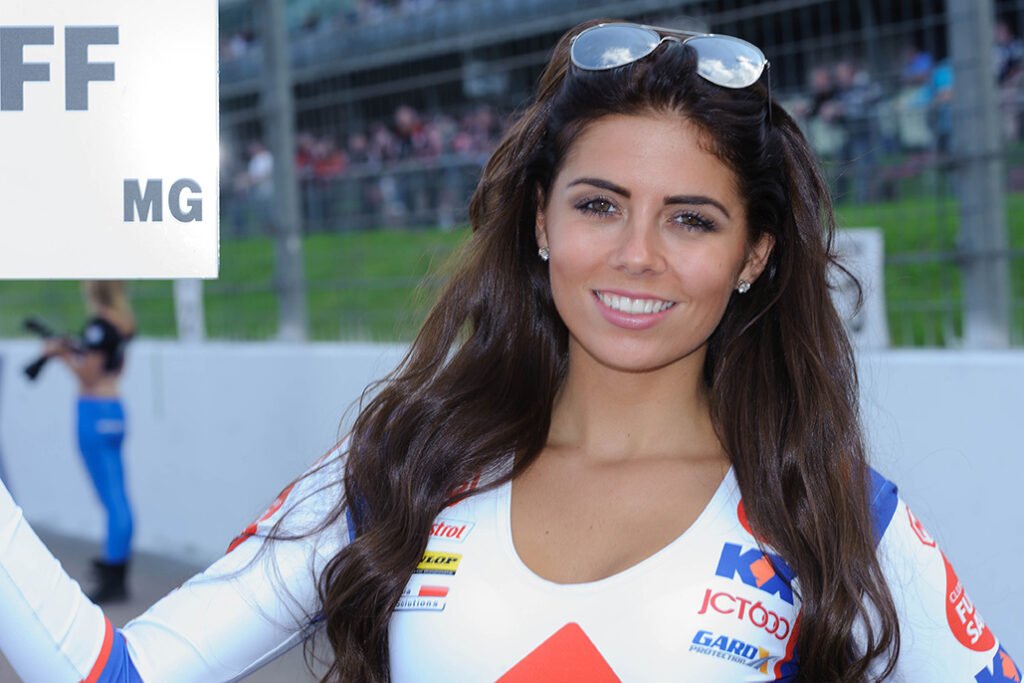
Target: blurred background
[(352, 135), (359, 128)]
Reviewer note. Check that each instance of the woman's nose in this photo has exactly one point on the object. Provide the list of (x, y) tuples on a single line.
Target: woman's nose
[(639, 250)]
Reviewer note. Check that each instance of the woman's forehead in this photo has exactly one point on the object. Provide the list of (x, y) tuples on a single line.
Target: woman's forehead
[(652, 150)]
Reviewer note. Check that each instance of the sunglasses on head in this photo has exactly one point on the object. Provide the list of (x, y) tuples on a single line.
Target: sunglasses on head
[(723, 60)]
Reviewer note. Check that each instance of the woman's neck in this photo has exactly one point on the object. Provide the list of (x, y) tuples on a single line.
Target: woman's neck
[(610, 414)]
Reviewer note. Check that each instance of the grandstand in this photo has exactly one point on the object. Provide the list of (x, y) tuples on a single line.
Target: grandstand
[(396, 105), (410, 96)]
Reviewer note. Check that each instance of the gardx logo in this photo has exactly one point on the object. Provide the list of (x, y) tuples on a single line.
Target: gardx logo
[(724, 647), (754, 568)]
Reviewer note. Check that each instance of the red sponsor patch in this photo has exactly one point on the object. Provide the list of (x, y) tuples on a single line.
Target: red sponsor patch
[(451, 529), (568, 656), (919, 530), (464, 487), (432, 591), (741, 512), (251, 529), (963, 617)]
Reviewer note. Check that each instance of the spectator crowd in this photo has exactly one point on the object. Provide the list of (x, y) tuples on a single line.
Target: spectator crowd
[(409, 170), (871, 131), (854, 121), (310, 17)]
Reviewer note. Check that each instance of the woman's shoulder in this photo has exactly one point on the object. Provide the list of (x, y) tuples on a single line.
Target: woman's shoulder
[(883, 499), (122, 321)]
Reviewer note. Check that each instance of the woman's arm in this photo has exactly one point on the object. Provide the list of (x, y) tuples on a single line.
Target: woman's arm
[(942, 634), (87, 366), (242, 612)]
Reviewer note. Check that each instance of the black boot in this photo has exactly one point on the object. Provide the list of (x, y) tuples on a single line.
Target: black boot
[(110, 582)]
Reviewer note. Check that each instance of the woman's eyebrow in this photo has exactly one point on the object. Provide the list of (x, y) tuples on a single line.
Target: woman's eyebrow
[(674, 199), (603, 184), (697, 199)]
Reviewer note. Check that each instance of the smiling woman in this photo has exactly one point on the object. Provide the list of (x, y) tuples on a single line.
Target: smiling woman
[(623, 447), (646, 232)]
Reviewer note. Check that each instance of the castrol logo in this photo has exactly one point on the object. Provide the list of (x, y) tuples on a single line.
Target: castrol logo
[(450, 529)]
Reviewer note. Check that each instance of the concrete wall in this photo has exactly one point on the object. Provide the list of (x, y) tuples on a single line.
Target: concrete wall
[(216, 430)]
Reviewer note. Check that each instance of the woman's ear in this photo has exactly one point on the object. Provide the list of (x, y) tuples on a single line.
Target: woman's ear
[(540, 222), (757, 257)]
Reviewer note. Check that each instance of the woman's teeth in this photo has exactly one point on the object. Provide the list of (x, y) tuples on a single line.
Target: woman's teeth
[(624, 304)]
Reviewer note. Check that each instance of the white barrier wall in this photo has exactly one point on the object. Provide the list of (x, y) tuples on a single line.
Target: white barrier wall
[(216, 430)]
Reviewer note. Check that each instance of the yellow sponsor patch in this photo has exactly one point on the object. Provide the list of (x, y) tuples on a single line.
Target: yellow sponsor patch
[(435, 562)]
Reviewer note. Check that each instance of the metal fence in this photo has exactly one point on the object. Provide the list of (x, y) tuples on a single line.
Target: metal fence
[(396, 105)]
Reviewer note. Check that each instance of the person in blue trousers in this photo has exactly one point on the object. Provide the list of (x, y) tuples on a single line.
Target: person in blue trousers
[(97, 360)]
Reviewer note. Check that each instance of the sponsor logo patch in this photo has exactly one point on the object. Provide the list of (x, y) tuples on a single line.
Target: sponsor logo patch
[(451, 530), (426, 598), (741, 513), (251, 530), (919, 530), (568, 656), (962, 615), (464, 487), (732, 649), (1001, 670), (754, 568), (435, 562), (752, 611)]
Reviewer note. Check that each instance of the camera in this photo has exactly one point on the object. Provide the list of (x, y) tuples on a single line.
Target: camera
[(44, 331)]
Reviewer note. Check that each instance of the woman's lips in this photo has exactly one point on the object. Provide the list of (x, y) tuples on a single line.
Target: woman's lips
[(632, 311)]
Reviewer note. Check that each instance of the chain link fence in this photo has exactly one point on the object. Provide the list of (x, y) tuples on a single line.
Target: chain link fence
[(398, 103)]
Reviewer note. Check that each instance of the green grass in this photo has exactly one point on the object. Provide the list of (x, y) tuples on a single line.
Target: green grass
[(378, 285), (367, 286), (923, 285)]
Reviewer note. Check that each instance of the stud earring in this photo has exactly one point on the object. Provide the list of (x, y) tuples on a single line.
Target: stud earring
[(743, 287), (544, 253)]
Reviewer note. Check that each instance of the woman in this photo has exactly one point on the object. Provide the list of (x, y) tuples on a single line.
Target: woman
[(97, 360), (624, 445)]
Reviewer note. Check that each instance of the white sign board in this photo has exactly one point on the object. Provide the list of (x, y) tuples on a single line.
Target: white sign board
[(109, 139), (862, 252)]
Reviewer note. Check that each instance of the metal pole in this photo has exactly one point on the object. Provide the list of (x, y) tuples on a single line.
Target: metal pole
[(279, 122), (977, 145), (188, 310), (3, 472)]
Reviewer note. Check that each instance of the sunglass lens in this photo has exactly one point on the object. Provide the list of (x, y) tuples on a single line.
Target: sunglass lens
[(728, 61), (612, 45)]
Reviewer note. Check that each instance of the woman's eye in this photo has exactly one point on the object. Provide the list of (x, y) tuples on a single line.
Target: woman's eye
[(695, 221), (597, 207)]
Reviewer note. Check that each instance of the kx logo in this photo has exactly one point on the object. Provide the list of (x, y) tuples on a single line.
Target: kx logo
[(755, 569), (1002, 670)]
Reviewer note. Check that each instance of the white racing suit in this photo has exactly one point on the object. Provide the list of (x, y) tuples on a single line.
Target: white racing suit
[(710, 606)]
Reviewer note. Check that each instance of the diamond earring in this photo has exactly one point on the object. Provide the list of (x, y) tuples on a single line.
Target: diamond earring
[(743, 287), (544, 253)]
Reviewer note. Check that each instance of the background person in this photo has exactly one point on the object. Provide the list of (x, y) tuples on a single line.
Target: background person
[(97, 362)]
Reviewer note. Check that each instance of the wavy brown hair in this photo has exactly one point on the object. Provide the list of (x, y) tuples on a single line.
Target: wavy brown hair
[(480, 379)]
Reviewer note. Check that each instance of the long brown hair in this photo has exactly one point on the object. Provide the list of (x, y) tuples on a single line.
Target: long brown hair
[(480, 379)]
